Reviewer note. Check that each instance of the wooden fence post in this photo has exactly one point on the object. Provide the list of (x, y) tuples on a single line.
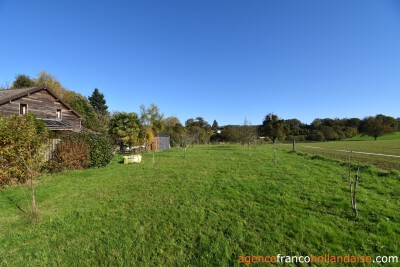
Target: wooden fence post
[(294, 143)]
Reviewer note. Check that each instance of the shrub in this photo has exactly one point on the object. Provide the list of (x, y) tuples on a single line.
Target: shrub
[(99, 145), (100, 149), (22, 140), (215, 138), (70, 155), (329, 133), (342, 135), (290, 138), (316, 135), (301, 138)]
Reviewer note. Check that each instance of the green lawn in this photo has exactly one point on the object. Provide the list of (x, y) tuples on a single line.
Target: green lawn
[(390, 146), (392, 136), (207, 209)]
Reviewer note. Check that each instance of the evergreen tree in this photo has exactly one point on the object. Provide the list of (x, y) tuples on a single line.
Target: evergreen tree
[(215, 125), (97, 101)]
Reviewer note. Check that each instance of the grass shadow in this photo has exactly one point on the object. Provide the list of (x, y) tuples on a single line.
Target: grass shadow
[(219, 147)]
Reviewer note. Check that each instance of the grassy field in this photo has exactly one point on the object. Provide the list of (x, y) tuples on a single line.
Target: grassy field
[(329, 150), (218, 203), (393, 136)]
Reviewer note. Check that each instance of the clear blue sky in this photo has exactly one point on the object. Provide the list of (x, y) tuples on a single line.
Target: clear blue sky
[(224, 60)]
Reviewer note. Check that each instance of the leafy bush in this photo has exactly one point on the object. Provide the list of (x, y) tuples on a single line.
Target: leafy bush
[(329, 133), (99, 145), (22, 142), (301, 138), (290, 138), (70, 155), (215, 138), (100, 149), (316, 135)]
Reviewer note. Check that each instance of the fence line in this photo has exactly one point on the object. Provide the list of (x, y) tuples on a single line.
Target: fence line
[(355, 152)]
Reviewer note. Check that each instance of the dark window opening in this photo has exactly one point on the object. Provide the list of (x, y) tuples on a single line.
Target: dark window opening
[(59, 114), (23, 109)]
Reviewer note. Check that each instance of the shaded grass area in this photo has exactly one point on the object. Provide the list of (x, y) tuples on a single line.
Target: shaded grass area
[(206, 209), (391, 147)]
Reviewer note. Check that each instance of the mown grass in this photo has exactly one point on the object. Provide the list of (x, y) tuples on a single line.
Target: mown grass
[(207, 209), (391, 147), (393, 136)]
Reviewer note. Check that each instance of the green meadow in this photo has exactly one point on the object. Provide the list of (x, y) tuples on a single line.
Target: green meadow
[(392, 136), (390, 145), (206, 209)]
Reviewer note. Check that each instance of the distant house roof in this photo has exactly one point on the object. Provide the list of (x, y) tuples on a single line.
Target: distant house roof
[(12, 94)]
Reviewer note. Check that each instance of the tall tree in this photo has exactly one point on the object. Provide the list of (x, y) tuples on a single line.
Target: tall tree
[(91, 119), (214, 125), (170, 122), (152, 117), (293, 126), (171, 129), (98, 101), (272, 127), (50, 81), (231, 133), (22, 81), (247, 133), (126, 129), (398, 124), (183, 136), (199, 130), (22, 143), (378, 126)]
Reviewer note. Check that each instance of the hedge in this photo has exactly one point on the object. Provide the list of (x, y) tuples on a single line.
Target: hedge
[(100, 147)]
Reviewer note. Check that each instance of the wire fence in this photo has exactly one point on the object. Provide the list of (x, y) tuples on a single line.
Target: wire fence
[(352, 151), (384, 161)]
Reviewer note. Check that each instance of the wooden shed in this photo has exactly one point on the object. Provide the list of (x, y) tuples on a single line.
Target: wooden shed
[(158, 143)]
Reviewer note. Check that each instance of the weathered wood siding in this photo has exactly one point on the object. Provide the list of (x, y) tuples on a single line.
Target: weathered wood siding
[(44, 106), (50, 148)]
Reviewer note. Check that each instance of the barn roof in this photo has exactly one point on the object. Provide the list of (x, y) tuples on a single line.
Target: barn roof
[(12, 94)]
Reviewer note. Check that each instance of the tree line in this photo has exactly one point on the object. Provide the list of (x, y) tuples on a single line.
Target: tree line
[(127, 129), (327, 129), (135, 129)]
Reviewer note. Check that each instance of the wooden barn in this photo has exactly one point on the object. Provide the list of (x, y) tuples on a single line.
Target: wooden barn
[(55, 113), (158, 143)]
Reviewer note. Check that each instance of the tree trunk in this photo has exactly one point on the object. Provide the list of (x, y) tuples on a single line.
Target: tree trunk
[(32, 190), (33, 199)]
